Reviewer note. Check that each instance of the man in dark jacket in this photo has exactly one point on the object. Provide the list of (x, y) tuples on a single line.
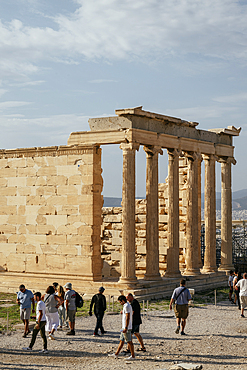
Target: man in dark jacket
[(99, 303)]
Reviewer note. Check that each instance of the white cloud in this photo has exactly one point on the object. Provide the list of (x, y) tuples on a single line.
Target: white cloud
[(45, 131), (100, 81), (28, 83), (199, 113), (232, 99), (115, 30), (13, 104), (2, 92)]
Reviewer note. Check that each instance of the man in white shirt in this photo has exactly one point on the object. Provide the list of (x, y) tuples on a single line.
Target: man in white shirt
[(126, 328), (242, 285), (40, 323)]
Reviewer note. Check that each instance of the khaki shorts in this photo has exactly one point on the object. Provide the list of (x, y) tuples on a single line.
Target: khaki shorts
[(126, 336), (25, 313), (243, 301), (71, 315), (181, 311)]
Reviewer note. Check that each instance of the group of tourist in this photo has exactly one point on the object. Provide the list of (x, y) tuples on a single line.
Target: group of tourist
[(238, 286), (53, 309), (57, 305)]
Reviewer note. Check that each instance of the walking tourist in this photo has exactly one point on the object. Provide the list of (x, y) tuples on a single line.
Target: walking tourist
[(70, 306), (136, 321), (52, 303), (24, 299), (40, 323), (236, 291), (242, 286), (230, 283), (126, 329), (61, 309), (99, 303), (181, 297)]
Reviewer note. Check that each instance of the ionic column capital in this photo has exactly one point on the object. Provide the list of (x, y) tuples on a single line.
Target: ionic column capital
[(210, 157), (151, 150), (129, 146), (227, 160), (174, 152), (193, 156)]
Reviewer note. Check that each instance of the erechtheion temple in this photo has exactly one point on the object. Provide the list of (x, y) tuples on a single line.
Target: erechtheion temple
[(52, 227)]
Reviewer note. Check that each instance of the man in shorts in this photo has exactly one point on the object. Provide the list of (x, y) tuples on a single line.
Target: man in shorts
[(70, 306), (242, 285), (136, 321), (181, 297), (126, 328), (24, 299)]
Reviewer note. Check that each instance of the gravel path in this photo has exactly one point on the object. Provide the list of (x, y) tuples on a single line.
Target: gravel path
[(216, 338)]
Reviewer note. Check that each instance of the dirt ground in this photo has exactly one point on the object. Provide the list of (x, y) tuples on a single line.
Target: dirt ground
[(216, 339)]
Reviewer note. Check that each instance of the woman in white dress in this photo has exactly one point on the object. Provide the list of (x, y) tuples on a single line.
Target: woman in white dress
[(52, 302)]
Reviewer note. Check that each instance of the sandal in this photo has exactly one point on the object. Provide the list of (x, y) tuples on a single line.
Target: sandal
[(141, 349)]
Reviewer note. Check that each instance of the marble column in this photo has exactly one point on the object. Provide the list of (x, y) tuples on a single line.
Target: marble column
[(152, 214), (210, 215), (173, 214), (128, 275), (192, 261), (226, 214), (199, 211)]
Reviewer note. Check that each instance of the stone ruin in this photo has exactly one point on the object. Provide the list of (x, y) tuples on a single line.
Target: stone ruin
[(51, 209)]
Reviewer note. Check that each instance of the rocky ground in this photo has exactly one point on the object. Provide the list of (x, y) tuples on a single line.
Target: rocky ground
[(216, 339)]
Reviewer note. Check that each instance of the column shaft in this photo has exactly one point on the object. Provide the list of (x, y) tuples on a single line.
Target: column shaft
[(199, 212), (192, 262), (152, 215), (226, 215), (173, 214), (210, 215), (128, 217)]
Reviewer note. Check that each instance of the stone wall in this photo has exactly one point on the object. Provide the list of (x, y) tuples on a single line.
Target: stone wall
[(50, 200), (111, 233)]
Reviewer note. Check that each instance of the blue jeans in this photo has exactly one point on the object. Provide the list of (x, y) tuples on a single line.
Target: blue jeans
[(62, 315)]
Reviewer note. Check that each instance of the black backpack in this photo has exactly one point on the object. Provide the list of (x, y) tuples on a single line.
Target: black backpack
[(78, 300)]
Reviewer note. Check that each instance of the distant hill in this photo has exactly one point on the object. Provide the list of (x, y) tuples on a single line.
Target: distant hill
[(239, 200)]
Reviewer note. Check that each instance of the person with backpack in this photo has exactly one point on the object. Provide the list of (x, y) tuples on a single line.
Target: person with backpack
[(70, 306), (99, 303), (181, 297)]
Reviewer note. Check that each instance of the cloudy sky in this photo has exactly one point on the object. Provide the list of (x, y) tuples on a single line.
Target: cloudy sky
[(63, 61)]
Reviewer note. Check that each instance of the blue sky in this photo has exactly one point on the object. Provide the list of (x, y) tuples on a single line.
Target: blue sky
[(65, 61)]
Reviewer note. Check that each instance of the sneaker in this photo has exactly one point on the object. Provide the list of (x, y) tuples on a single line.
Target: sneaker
[(182, 333), (242, 315), (112, 355), (103, 332), (60, 328), (130, 358), (24, 335), (45, 350), (27, 349), (177, 330), (96, 334), (51, 336)]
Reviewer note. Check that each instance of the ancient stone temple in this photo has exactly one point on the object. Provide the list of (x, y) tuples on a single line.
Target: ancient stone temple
[(51, 206)]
